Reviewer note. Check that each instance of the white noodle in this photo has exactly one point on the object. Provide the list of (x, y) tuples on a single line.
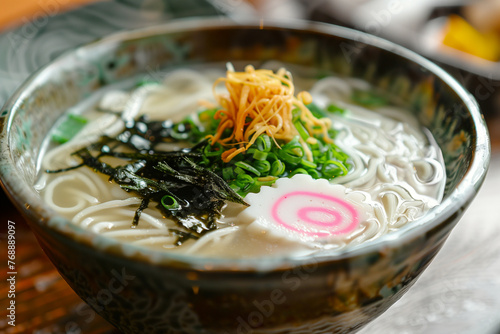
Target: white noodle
[(213, 237), (161, 239), (107, 205)]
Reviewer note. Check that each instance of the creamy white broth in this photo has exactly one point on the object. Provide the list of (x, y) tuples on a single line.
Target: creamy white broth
[(397, 174)]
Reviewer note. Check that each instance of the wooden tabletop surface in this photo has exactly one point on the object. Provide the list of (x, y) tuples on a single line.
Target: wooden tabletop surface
[(21, 12), (46, 304)]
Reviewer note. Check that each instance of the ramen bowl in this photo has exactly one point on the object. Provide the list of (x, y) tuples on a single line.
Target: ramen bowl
[(140, 290)]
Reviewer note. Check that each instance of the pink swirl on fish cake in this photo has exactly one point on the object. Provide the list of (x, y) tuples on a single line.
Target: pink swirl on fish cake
[(333, 216)]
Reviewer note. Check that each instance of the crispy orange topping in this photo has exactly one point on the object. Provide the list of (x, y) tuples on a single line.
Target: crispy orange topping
[(261, 102)]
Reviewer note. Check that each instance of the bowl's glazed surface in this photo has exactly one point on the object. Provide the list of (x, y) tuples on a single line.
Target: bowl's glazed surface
[(145, 291)]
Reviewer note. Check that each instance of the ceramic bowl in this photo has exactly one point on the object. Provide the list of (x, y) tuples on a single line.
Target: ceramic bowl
[(145, 291)]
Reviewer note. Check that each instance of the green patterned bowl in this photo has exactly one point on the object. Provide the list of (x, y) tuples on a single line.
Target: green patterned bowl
[(145, 291)]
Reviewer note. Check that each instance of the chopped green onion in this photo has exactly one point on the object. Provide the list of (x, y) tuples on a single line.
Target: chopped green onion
[(368, 98), (260, 155), (212, 151), (245, 182), (169, 202), (227, 173), (263, 166), (69, 128), (308, 164), (179, 132), (251, 151), (264, 143), (296, 114), (205, 161), (146, 83), (244, 179), (298, 171), (334, 154), (271, 157), (207, 114), (236, 188), (316, 111), (301, 130), (266, 181), (332, 133), (277, 168), (337, 169), (335, 109), (239, 171), (292, 152), (247, 167), (254, 187), (289, 157), (314, 173)]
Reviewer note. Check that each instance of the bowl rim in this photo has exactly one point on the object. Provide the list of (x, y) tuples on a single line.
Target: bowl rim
[(457, 200)]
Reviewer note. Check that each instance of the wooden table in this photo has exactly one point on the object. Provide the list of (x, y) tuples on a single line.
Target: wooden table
[(447, 298), (21, 12)]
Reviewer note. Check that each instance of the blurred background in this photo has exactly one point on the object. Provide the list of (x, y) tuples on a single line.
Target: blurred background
[(459, 293)]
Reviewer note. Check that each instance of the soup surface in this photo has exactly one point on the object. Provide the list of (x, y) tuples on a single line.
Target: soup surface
[(242, 164)]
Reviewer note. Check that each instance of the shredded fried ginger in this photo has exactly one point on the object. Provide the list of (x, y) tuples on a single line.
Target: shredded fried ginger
[(261, 102)]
